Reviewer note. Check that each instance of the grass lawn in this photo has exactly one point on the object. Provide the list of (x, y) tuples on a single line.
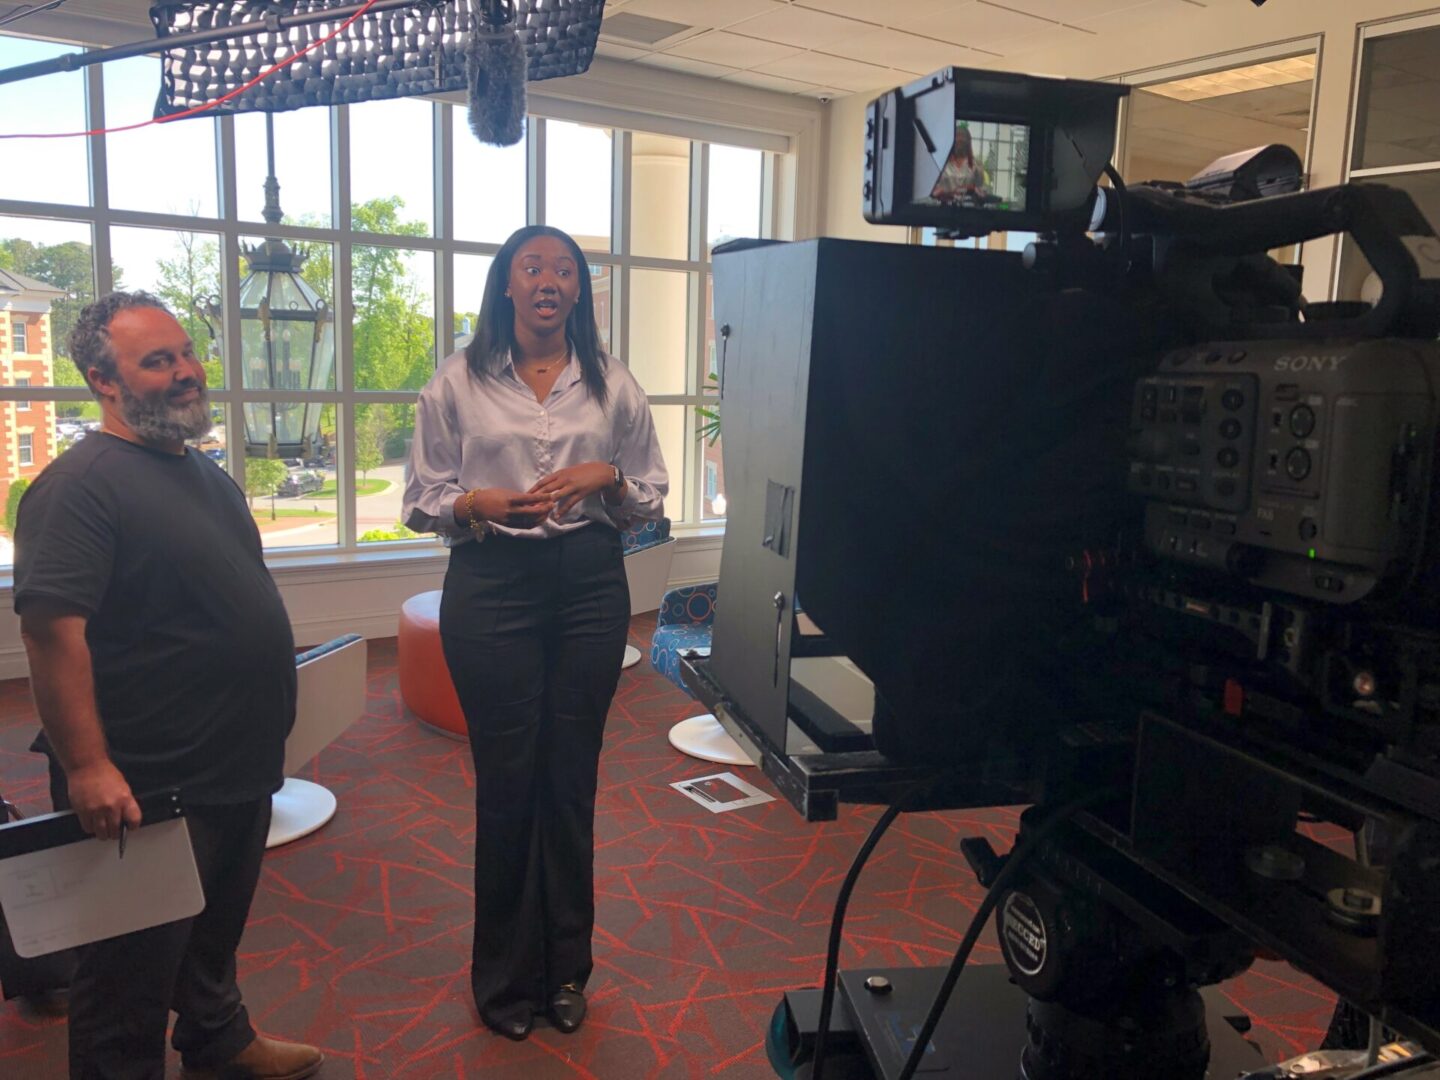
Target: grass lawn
[(362, 488)]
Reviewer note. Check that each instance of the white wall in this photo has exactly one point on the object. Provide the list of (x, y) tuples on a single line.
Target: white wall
[(1155, 40)]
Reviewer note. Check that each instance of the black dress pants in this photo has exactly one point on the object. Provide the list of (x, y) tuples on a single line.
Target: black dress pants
[(534, 634), (125, 987)]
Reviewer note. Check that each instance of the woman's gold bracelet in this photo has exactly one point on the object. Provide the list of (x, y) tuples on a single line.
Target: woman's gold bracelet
[(476, 525)]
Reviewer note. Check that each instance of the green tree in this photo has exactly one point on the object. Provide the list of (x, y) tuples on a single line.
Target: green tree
[(394, 340), (262, 478), (187, 282), (372, 429), (12, 503)]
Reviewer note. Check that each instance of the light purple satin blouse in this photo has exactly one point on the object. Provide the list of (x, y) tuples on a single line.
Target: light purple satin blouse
[(485, 433)]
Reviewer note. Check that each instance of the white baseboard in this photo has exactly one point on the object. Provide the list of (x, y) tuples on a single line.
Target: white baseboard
[(14, 664)]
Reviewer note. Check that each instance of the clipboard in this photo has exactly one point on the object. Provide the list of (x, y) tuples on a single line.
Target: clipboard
[(61, 887)]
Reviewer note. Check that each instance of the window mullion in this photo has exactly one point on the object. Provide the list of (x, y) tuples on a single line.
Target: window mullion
[(344, 328)]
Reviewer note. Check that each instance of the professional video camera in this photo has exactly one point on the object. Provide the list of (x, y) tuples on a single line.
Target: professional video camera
[(1121, 527)]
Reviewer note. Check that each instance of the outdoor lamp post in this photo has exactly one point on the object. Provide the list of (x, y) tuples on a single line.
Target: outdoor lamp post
[(287, 338)]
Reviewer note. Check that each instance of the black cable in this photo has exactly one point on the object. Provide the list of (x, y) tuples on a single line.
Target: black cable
[(24, 11), (1014, 862), (837, 921)]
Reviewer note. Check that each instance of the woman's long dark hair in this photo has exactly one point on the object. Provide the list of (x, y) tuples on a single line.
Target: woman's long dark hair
[(969, 157), (495, 336)]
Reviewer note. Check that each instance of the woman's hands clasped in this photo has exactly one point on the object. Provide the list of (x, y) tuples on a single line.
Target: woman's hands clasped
[(515, 509), (568, 486)]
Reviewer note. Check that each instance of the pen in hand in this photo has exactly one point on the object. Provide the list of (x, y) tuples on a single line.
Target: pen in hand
[(124, 831)]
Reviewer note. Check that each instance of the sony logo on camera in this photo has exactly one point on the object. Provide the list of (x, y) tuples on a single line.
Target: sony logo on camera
[(1309, 363)]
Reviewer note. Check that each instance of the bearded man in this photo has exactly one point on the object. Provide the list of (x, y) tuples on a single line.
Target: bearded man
[(161, 657)]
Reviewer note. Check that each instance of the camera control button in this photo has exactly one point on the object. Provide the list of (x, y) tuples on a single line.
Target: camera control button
[(1230, 429), (1297, 464), (1232, 400), (1308, 529), (1302, 421)]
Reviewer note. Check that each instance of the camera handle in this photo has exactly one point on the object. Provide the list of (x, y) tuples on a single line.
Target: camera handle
[(1384, 222)]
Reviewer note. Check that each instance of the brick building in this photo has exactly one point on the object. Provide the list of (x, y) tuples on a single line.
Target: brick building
[(27, 428)]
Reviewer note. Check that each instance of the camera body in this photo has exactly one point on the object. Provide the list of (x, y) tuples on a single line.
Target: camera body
[(1166, 527), (1298, 467)]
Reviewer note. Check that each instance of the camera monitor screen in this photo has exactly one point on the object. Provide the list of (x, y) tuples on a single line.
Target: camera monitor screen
[(986, 168)]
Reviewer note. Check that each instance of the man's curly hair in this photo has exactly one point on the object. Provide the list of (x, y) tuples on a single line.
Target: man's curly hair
[(89, 340)]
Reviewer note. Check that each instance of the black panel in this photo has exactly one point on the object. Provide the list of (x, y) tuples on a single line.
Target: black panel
[(926, 405)]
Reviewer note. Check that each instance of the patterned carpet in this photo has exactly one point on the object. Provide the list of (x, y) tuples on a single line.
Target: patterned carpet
[(359, 938)]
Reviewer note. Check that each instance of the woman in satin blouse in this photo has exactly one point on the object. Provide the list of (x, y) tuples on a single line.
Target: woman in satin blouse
[(532, 449)]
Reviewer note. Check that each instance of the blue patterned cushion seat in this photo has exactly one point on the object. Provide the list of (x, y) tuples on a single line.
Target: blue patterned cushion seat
[(644, 534), (684, 622)]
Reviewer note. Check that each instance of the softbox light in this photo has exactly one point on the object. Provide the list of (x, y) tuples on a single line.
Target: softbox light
[(419, 49)]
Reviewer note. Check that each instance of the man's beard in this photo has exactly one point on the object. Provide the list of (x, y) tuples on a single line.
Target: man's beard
[(155, 419)]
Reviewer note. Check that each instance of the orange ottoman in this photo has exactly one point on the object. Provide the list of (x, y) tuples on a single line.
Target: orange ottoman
[(425, 684)]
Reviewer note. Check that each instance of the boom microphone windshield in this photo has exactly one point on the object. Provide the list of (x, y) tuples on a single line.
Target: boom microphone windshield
[(495, 73)]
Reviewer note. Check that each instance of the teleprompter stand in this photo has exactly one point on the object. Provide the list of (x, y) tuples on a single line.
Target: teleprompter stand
[(985, 1027), (980, 1036)]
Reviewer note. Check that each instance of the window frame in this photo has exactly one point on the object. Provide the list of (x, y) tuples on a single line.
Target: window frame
[(19, 334), (22, 404), (778, 215), (1367, 32), (25, 449)]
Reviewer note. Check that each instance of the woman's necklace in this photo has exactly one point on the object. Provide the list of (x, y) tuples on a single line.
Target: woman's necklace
[(550, 364)]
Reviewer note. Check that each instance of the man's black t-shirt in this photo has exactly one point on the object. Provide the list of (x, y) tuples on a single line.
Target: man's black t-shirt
[(192, 652)]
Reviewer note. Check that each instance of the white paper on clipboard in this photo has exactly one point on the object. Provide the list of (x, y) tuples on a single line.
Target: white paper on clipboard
[(60, 897)]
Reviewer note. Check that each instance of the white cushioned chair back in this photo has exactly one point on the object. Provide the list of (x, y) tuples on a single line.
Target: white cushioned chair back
[(331, 697)]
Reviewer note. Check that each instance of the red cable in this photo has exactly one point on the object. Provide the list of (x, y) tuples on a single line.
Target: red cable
[(206, 105)]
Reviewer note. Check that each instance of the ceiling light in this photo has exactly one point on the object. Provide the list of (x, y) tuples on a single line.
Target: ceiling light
[(1239, 80)]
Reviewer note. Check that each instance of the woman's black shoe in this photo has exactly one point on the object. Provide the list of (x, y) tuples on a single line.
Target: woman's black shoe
[(567, 1008), (513, 1025)]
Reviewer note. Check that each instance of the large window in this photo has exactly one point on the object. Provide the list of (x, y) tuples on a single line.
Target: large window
[(399, 213), (19, 334), (1397, 131)]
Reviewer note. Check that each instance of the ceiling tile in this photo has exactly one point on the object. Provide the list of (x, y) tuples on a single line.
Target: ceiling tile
[(706, 13), (800, 27), (1054, 37), (770, 82), (617, 52), (1074, 12), (866, 10), (967, 23), (1140, 14), (687, 65), (835, 71), (905, 52), (732, 50)]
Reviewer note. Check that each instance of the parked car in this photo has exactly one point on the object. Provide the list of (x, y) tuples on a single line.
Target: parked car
[(301, 482)]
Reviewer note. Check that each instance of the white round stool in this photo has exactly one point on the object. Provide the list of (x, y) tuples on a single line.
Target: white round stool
[(702, 737)]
